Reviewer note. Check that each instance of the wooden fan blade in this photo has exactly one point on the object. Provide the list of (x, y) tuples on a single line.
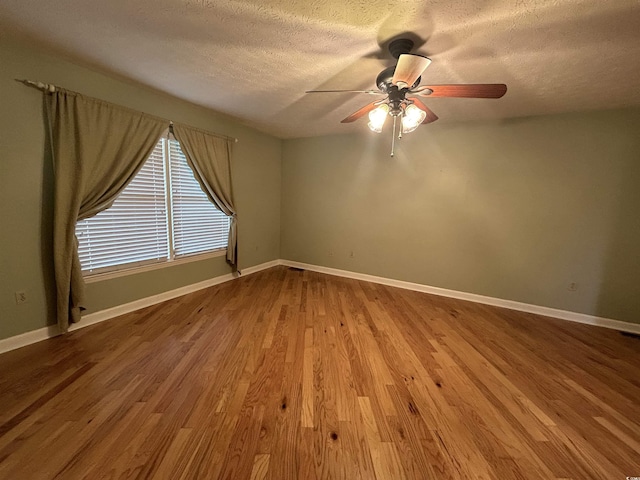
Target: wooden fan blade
[(482, 90), (370, 92), (360, 113), (409, 68), (431, 117)]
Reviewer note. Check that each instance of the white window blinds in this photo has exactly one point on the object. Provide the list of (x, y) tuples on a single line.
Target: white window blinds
[(133, 231), (150, 222), (198, 226)]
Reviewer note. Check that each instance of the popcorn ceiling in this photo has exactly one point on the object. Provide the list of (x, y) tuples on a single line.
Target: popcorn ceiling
[(254, 60)]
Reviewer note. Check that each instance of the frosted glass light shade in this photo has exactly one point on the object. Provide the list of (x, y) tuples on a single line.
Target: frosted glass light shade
[(412, 118), (377, 117)]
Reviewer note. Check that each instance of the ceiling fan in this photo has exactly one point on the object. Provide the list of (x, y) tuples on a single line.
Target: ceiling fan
[(399, 84)]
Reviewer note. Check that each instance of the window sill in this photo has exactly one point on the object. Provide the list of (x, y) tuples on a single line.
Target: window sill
[(98, 277)]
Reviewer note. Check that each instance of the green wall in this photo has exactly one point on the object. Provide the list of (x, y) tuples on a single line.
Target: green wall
[(517, 210), (26, 187)]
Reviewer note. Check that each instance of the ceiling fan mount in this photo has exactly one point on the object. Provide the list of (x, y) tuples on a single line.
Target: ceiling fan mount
[(399, 46)]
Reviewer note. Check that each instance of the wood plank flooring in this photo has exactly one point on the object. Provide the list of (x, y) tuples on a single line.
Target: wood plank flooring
[(289, 374)]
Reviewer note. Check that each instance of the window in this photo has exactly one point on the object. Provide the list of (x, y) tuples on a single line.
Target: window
[(162, 215)]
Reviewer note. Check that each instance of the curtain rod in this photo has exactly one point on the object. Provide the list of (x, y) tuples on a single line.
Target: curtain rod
[(204, 131), (50, 88)]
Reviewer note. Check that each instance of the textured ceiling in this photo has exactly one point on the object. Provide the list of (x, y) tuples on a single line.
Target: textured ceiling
[(254, 60)]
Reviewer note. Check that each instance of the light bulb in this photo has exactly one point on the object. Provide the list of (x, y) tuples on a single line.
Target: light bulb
[(412, 118), (377, 117)]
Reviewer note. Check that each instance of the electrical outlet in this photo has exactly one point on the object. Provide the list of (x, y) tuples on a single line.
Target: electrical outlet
[(573, 287), (21, 297)]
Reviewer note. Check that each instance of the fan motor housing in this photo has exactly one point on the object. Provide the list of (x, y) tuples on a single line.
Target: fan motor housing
[(383, 81)]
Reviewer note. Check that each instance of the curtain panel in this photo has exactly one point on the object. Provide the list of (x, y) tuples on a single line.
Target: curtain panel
[(97, 149), (209, 157)]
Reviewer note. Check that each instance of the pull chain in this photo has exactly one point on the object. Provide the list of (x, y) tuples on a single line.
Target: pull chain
[(393, 138)]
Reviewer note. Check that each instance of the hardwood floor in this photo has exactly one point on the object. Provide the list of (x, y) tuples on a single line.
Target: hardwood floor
[(287, 374)]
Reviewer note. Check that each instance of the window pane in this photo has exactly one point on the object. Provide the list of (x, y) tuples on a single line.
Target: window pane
[(133, 231), (198, 226)]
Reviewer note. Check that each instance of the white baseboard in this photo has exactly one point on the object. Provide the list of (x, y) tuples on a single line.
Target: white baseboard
[(118, 310), (472, 297), (27, 338), (34, 336), (262, 266)]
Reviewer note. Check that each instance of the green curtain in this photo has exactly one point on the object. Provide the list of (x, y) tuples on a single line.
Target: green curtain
[(209, 157), (97, 149)]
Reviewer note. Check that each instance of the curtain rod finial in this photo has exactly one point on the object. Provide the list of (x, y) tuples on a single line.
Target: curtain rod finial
[(45, 87)]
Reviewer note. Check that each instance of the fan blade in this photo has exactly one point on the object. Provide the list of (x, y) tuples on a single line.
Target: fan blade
[(409, 68), (482, 90), (370, 92), (431, 117), (361, 113)]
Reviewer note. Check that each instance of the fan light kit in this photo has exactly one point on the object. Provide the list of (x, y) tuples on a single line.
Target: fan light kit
[(401, 80)]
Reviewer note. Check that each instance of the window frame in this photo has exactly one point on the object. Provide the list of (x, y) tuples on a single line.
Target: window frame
[(100, 276), (150, 265)]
